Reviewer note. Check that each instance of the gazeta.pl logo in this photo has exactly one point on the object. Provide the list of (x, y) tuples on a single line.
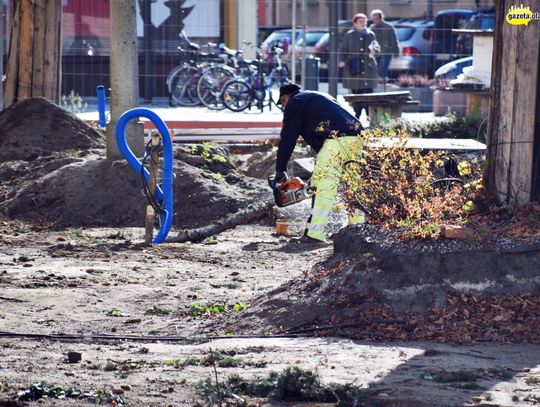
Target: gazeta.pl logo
[(521, 15)]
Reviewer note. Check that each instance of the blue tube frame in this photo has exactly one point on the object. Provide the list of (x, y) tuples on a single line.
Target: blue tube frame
[(165, 192), (100, 89)]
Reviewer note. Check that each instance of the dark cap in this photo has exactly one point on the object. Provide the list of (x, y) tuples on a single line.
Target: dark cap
[(288, 89)]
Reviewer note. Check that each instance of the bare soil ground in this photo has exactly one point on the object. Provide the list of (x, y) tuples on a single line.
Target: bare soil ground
[(105, 282), (149, 323)]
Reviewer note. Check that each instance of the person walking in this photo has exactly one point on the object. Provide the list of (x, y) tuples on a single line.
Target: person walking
[(387, 39), (358, 51), (333, 133)]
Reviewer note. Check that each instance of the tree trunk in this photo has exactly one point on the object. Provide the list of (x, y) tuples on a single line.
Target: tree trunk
[(124, 77), (251, 213), (512, 140), (34, 51)]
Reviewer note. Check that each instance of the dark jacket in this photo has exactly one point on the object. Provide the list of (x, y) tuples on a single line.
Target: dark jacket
[(315, 116), (355, 45), (386, 37)]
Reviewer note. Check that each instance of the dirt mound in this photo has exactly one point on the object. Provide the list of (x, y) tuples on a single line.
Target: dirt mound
[(36, 127), (97, 192), (375, 288), (53, 173)]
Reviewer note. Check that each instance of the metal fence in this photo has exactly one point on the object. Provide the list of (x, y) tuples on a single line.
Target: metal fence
[(425, 43)]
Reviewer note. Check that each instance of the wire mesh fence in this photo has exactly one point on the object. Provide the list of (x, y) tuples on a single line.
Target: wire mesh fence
[(425, 34)]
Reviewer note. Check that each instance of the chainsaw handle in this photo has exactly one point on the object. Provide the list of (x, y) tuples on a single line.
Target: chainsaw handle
[(272, 180)]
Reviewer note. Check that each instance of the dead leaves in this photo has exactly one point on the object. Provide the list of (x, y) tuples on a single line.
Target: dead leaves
[(466, 319)]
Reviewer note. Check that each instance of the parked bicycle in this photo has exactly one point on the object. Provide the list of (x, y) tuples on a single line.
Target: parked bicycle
[(251, 90), (200, 80)]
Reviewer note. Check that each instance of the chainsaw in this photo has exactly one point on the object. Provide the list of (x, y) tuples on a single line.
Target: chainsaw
[(290, 191)]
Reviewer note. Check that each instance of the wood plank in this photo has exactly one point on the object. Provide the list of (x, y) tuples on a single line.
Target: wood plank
[(52, 77), (211, 131), (506, 117), (12, 73), (521, 171), (38, 48), (24, 88), (177, 138), (442, 144), (397, 93)]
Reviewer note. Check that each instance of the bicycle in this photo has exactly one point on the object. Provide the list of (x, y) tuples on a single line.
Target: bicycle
[(183, 81), (242, 93)]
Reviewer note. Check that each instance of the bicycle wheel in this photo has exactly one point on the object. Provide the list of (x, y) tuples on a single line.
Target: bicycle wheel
[(237, 95), (210, 86), (183, 87)]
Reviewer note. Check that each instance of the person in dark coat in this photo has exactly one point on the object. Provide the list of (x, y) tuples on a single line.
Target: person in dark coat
[(333, 133), (358, 51), (387, 39)]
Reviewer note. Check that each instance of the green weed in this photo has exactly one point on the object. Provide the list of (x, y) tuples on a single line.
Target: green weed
[(532, 380), (198, 309), (292, 384), (73, 102)]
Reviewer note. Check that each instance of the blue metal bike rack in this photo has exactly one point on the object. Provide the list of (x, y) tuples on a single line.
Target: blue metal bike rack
[(165, 191), (100, 89)]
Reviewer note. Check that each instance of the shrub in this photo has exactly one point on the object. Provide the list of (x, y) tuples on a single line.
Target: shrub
[(472, 126), (407, 189)]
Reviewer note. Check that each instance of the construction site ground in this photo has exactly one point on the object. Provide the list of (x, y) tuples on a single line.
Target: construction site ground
[(89, 314)]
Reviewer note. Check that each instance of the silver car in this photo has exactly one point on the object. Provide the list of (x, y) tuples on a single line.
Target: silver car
[(413, 39)]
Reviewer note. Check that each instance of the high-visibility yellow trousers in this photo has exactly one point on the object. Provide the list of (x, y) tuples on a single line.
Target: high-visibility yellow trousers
[(326, 177)]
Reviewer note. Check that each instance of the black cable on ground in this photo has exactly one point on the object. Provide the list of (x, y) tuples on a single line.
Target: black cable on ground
[(134, 338), (150, 195), (294, 332)]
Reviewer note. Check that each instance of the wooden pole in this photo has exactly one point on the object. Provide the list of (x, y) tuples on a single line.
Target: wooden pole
[(53, 51), (150, 212), (12, 73), (124, 71), (2, 55), (34, 51)]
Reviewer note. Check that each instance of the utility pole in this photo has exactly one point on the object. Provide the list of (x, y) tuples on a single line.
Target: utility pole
[(124, 77), (147, 41), (430, 9), (293, 42), (333, 49), (303, 61)]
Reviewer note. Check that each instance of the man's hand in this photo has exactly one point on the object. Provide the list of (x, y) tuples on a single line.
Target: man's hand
[(280, 177)]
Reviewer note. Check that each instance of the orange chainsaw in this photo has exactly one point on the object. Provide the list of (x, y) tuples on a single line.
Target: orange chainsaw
[(290, 191)]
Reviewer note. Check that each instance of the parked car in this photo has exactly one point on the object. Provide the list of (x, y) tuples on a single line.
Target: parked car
[(322, 47), (443, 39), (283, 39), (484, 20), (452, 69), (413, 40), (264, 31)]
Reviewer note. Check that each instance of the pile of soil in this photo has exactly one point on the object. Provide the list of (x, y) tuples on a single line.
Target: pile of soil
[(35, 128), (378, 287), (54, 174)]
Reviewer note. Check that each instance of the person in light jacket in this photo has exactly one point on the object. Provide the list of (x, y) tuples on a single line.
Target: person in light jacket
[(358, 59)]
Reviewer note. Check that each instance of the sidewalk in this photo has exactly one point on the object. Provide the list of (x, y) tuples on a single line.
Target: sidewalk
[(200, 118)]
